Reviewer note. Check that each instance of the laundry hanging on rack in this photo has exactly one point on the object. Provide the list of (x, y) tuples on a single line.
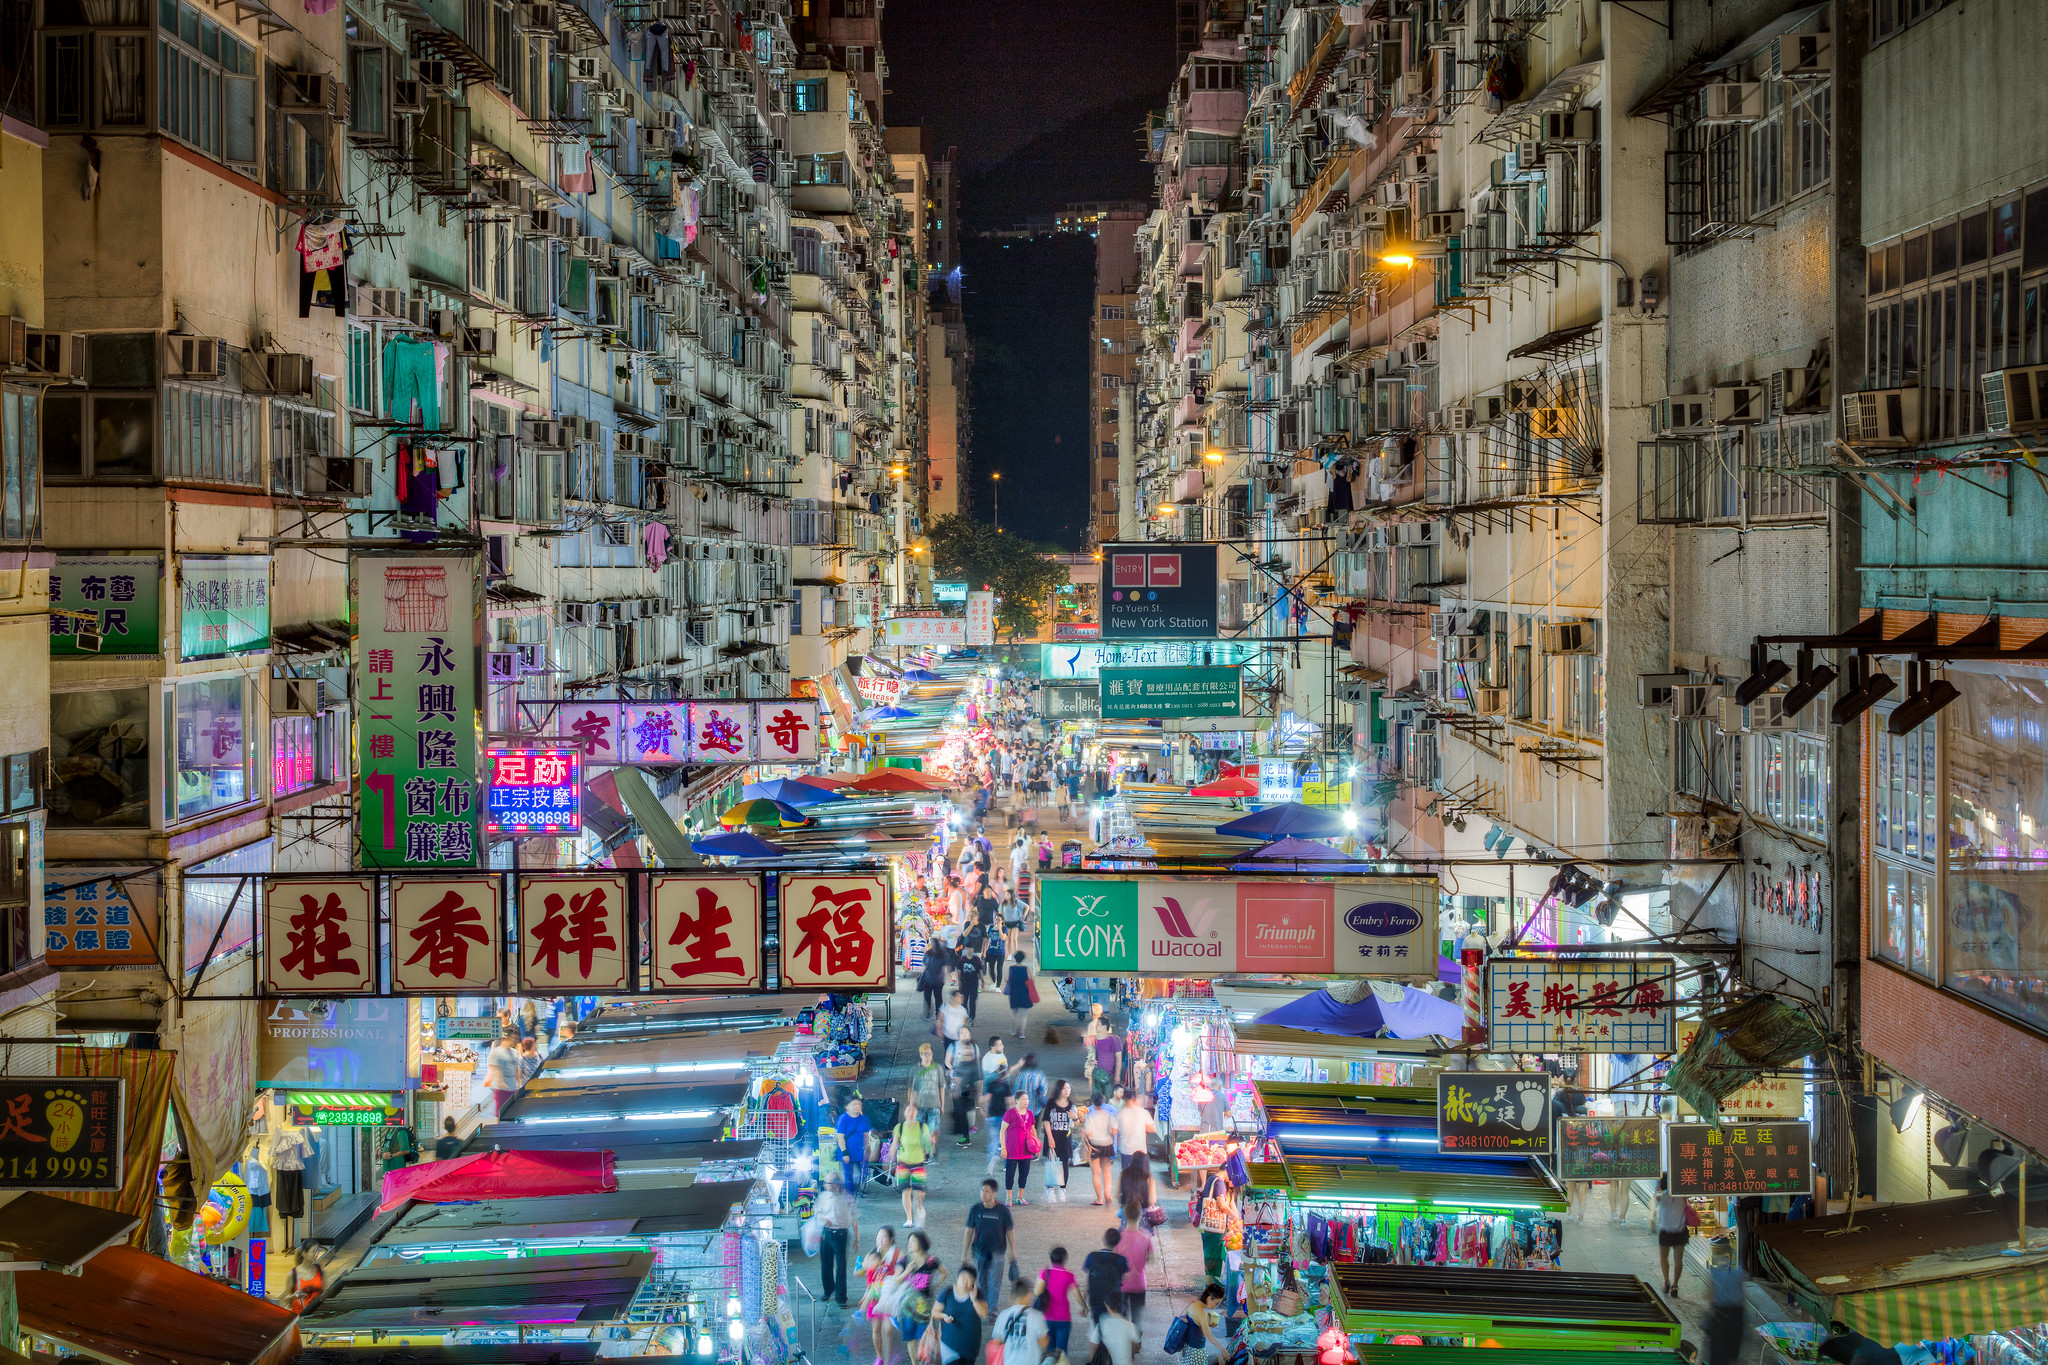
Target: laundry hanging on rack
[(409, 382), (324, 249), (661, 57), (577, 175)]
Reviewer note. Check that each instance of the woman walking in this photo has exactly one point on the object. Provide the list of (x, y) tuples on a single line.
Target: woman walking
[(1056, 1125), (931, 978), (1018, 988), (1674, 1229), (958, 1315), (964, 1058), (1100, 1130), (1064, 1300), (1204, 1342), (1020, 1145)]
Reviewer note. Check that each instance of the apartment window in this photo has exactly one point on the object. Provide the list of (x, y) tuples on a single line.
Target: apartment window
[(294, 754), (1790, 443), (1992, 926), (440, 145), (93, 75), (1217, 75), (299, 432), (206, 85), (1110, 381), (108, 431), (99, 742), (18, 60), (810, 96), (208, 720), (856, 63), (1906, 782), (20, 462), (1791, 782), (361, 394), (1113, 312), (211, 435), (824, 169), (1888, 17), (369, 90), (1585, 700)]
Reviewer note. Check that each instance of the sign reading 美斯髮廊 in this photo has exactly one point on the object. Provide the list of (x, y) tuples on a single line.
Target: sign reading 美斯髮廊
[(1170, 693), (1541, 1005), (1192, 926), (1158, 591), (1506, 1113)]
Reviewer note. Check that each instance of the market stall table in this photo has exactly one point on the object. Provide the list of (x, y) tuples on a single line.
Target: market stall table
[(559, 1103), (1504, 1308)]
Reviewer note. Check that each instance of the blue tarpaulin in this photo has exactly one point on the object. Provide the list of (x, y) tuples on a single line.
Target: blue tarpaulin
[(1417, 1014)]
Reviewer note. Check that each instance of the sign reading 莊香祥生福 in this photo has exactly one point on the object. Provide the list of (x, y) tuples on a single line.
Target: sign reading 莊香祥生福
[(1192, 926)]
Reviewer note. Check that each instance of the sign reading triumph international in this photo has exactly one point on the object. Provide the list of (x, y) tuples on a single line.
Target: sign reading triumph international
[(1194, 926)]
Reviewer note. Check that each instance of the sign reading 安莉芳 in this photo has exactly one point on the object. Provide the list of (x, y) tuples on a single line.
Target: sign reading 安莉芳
[(1162, 693), (1381, 926)]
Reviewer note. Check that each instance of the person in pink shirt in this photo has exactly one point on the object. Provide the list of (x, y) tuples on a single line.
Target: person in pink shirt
[(1020, 1145), (1062, 1297), (1135, 1246)]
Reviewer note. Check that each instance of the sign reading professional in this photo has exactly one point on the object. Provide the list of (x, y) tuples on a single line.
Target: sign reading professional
[(1195, 926), (1158, 593)]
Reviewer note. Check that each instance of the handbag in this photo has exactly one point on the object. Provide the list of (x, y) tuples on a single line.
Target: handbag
[(1031, 987), (1692, 1217), (1215, 1216)]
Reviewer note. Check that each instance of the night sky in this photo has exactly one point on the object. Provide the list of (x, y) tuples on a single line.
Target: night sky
[(1045, 103)]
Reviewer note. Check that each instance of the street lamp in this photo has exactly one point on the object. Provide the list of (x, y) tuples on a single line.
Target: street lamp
[(997, 476)]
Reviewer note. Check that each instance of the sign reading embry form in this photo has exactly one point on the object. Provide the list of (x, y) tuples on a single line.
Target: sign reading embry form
[(1170, 693), (1212, 926), (1153, 591)]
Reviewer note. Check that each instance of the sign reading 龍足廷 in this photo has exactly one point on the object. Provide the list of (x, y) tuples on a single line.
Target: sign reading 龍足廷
[(1170, 693), (418, 634), (1739, 1158), (1152, 591), (1626, 1148), (1542, 1005), (1506, 1112), (223, 605), (61, 1132), (120, 591), (534, 792), (1191, 926)]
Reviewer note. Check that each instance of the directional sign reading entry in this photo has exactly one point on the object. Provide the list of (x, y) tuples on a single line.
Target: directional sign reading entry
[(1153, 592)]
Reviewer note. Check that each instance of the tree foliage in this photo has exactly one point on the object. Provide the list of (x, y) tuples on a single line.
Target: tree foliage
[(1021, 574)]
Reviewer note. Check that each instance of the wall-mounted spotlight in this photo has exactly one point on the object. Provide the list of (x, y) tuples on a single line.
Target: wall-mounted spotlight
[(1764, 674), (1866, 689), (1812, 682)]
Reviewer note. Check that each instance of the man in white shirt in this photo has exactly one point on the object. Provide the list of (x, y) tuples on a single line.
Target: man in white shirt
[(1116, 1334), (1133, 1134), (952, 1018), (1021, 1328)]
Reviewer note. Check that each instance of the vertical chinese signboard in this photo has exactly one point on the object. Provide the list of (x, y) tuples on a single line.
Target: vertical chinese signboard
[(1505, 1112), (1543, 1005), (572, 934), (223, 605), (445, 934), (835, 933), (61, 1133), (706, 932), (981, 618), (1742, 1158), (319, 936), (121, 590), (417, 641)]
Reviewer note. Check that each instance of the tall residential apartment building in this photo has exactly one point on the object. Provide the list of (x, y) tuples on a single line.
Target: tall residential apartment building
[(1555, 383), (1113, 349), (623, 305)]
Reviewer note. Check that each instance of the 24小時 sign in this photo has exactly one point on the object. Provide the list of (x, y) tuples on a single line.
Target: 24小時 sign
[(61, 1132)]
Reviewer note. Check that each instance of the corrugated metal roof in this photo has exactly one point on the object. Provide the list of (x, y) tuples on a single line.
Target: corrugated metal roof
[(1902, 1243)]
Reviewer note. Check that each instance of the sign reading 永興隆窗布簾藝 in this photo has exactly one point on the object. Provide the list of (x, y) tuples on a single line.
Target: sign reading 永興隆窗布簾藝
[(223, 605), (1503, 1112)]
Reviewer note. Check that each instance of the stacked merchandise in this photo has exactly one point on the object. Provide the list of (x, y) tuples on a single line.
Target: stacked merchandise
[(1384, 1236), (838, 1031)]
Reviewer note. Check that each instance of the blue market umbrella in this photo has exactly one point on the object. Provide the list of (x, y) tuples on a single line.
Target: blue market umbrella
[(1417, 1014), (1302, 853), (737, 844), (1307, 822), (789, 792), (919, 675)]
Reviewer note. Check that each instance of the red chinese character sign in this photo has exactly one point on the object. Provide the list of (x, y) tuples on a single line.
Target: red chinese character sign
[(1542, 1005), (319, 936), (721, 732), (835, 933), (706, 932), (787, 731), (446, 934), (572, 933)]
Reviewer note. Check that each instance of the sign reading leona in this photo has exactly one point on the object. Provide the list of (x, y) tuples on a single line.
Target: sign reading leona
[(1211, 926)]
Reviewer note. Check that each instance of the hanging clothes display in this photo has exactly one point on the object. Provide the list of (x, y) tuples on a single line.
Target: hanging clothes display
[(656, 536), (324, 248), (409, 382), (660, 56), (577, 175), (1342, 471)]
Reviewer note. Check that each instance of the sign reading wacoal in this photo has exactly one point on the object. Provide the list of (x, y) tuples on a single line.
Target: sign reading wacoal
[(1194, 926), (1504, 1112), (1151, 591)]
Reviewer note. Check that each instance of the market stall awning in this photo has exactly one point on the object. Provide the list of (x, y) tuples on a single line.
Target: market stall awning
[(1261, 1040), (1410, 1013), (494, 1175), (129, 1306), (1739, 1044), (1547, 1310), (619, 1213), (1511, 1187), (566, 1105), (43, 1232), (490, 1291), (1915, 1271), (669, 1057), (628, 1143)]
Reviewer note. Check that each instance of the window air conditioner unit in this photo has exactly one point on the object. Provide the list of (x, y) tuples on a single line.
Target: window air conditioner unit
[(1442, 625), (1681, 412), (328, 476), (1566, 637), (1797, 391), (596, 249), (588, 428), (1489, 410), (59, 354), (1732, 102), (1525, 160), (435, 73), (1737, 404), (407, 97), (1457, 419), (540, 223), (586, 70), (1805, 54), (1490, 701), (1764, 716), (1524, 396), (1437, 226), (628, 443), (1430, 680), (536, 18), (381, 303), (1392, 194), (305, 90), (1881, 417), (1694, 701), (577, 613), (1582, 125), (1654, 689), (1549, 424), (200, 357), (442, 322), (542, 434), (501, 666), (290, 375), (294, 696), (2016, 400), (533, 658), (1418, 166), (477, 341), (675, 405)]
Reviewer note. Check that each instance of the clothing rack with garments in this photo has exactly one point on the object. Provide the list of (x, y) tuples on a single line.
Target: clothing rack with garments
[(1393, 1235)]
